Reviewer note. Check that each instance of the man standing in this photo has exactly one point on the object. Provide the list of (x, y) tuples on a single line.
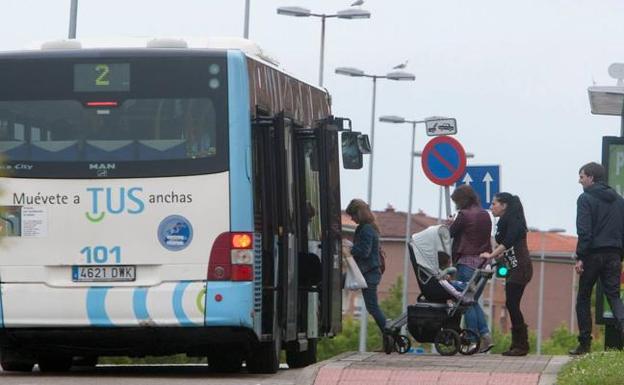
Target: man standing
[(600, 230)]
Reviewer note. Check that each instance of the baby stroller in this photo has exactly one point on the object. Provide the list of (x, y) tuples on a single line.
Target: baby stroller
[(436, 316)]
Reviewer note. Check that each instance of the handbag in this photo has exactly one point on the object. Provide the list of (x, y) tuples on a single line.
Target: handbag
[(354, 279)]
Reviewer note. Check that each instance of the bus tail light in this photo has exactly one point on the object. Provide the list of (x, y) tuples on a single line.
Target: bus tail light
[(232, 257)]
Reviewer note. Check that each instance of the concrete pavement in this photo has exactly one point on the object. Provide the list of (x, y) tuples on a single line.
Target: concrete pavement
[(433, 369)]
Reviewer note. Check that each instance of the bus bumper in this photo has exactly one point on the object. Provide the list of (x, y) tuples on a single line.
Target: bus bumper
[(182, 304)]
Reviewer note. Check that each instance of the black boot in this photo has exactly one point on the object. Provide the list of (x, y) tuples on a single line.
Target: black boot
[(583, 347), (520, 342)]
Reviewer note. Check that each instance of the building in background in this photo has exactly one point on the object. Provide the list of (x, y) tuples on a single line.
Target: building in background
[(560, 280)]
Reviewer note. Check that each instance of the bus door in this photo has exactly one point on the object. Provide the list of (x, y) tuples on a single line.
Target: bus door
[(275, 207), (310, 237), (287, 193), (329, 184)]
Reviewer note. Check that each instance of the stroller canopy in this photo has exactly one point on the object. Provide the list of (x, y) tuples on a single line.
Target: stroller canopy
[(426, 244)]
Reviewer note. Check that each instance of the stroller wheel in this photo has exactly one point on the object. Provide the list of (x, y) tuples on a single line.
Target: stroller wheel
[(469, 342), (388, 342), (447, 342), (402, 344)]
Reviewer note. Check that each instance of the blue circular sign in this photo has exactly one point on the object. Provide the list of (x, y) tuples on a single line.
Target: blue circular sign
[(443, 160), (175, 233)]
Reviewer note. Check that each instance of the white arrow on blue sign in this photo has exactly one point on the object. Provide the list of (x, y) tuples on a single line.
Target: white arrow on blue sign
[(485, 180)]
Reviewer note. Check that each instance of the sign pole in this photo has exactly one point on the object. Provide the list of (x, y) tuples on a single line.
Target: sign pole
[(447, 199), (440, 205)]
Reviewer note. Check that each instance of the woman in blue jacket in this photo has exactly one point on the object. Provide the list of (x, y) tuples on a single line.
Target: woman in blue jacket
[(365, 251)]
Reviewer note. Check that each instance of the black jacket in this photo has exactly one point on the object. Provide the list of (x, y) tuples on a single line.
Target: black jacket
[(599, 220)]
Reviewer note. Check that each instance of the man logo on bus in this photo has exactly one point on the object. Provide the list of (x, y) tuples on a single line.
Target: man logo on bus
[(114, 201)]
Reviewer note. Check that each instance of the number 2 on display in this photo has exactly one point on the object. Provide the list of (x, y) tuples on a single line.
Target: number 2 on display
[(102, 78), (100, 254)]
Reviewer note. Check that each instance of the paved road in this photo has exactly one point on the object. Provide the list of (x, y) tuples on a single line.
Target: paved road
[(156, 375)]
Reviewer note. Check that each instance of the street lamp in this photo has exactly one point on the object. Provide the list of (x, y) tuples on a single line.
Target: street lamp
[(349, 14), (540, 309), (609, 100), (395, 75)]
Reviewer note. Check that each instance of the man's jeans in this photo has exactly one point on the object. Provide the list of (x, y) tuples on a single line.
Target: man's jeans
[(474, 318), (607, 267)]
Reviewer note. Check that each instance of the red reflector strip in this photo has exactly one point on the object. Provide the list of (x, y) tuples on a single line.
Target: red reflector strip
[(242, 273), (102, 104)]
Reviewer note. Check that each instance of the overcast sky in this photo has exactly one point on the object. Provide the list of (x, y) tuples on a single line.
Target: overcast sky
[(513, 74)]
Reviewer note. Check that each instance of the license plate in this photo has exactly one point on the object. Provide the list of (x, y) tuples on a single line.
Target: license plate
[(103, 273)]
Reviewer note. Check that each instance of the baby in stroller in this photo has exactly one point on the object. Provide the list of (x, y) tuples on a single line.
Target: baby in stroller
[(453, 287), (436, 315)]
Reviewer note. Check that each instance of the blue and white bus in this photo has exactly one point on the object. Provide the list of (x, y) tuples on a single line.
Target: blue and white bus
[(164, 199)]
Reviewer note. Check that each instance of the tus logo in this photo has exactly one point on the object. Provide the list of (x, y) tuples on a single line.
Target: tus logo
[(114, 201)]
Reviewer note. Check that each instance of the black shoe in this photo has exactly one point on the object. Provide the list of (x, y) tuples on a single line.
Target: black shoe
[(580, 350)]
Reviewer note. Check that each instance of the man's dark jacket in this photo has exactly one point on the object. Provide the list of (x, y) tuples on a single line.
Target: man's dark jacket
[(599, 221)]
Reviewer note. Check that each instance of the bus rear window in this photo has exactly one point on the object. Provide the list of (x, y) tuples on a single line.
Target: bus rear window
[(137, 129), (170, 120)]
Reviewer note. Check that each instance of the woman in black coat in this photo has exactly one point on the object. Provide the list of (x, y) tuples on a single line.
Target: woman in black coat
[(511, 239)]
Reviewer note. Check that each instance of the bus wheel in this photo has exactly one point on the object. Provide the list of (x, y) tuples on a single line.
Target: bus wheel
[(297, 359), (86, 361), (13, 362), (265, 358), (55, 364), (225, 362)]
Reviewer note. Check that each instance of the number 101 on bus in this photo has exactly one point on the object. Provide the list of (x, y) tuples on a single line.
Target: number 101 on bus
[(101, 254)]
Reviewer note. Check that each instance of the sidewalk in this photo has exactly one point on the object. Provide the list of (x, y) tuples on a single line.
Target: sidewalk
[(433, 369)]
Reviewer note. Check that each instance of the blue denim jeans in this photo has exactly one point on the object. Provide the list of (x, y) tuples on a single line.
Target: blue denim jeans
[(474, 317), (370, 298)]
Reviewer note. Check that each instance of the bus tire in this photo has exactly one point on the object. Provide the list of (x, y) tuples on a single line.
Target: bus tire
[(265, 358), (225, 362), (85, 361), (297, 359), (13, 362), (54, 364)]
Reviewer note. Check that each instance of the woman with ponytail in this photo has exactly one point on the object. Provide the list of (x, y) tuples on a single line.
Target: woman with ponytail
[(511, 239)]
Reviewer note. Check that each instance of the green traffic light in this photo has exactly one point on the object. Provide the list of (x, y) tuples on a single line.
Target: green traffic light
[(502, 271)]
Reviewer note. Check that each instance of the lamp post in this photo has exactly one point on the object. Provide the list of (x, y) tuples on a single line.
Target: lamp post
[(408, 222), (540, 309), (73, 15), (349, 14), (246, 27), (395, 75)]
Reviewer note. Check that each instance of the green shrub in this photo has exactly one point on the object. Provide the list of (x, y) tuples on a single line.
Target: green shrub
[(601, 368), (348, 339), (559, 343)]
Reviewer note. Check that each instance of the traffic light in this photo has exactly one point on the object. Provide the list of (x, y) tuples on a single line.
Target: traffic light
[(502, 271)]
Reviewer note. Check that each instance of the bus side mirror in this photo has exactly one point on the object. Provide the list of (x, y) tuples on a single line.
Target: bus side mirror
[(364, 144), (354, 144)]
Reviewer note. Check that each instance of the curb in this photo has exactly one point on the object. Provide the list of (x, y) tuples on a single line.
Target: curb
[(549, 375), (309, 373)]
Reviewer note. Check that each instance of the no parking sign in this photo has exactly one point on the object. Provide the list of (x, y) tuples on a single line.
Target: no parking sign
[(443, 160)]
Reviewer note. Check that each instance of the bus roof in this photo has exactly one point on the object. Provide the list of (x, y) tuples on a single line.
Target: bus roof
[(189, 44)]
